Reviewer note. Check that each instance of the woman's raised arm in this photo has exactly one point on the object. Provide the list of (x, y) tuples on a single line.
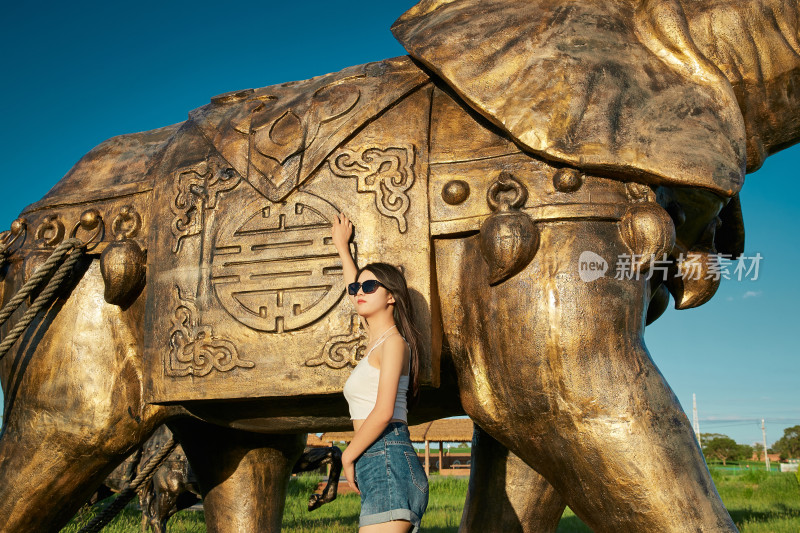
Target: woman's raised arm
[(340, 233)]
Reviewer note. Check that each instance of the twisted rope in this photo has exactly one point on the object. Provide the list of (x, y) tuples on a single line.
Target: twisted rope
[(41, 273), (122, 499), (44, 299)]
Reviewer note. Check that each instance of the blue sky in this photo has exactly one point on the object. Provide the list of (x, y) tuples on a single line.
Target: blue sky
[(77, 73)]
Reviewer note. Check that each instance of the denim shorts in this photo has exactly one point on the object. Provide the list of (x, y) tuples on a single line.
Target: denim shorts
[(393, 484)]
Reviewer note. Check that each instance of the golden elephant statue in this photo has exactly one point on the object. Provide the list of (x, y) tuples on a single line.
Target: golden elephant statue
[(515, 138)]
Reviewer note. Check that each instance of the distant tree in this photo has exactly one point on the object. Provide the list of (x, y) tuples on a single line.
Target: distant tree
[(724, 448), (706, 437), (758, 451), (746, 452), (788, 445)]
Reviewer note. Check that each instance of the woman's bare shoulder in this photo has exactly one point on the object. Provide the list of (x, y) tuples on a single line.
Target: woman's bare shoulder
[(393, 347), (396, 343)]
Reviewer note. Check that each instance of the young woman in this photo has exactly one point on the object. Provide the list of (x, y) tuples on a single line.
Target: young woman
[(380, 463)]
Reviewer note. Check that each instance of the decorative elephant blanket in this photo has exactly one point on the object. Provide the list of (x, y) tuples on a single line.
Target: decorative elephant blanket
[(245, 290)]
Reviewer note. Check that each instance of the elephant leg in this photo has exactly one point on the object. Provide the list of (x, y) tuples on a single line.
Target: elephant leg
[(171, 487), (313, 459), (555, 368), (331, 488), (505, 494), (73, 406), (147, 497), (158, 501), (243, 476)]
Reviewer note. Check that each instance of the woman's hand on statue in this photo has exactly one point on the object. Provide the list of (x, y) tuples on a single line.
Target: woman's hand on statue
[(341, 232)]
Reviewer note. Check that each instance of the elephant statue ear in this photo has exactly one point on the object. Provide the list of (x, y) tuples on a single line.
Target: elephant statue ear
[(610, 86), (756, 44)]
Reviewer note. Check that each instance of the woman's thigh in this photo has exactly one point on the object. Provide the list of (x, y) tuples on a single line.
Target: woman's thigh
[(395, 526)]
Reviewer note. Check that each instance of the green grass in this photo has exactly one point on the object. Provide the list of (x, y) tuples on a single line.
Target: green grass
[(129, 520), (759, 502), (744, 466)]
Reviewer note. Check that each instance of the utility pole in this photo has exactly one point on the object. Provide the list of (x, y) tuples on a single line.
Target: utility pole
[(764, 435), (695, 422)]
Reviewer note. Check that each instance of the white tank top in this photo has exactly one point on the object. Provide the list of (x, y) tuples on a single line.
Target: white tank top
[(361, 391)]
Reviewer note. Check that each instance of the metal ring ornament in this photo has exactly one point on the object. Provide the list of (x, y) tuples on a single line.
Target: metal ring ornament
[(90, 219), (18, 227), (126, 214), (50, 222), (506, 182)]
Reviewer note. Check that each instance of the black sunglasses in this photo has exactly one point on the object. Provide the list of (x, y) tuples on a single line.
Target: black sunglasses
[(369, 286)]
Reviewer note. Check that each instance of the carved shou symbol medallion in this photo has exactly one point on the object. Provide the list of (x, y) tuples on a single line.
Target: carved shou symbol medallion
[(279, 271), (386, 172)]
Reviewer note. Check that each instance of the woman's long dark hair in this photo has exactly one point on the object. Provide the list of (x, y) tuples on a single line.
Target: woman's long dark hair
[(394, 282)]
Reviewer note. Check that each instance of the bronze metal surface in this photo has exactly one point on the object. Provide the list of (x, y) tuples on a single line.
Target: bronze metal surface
[(584, 82), (588, 402), (505, 494), (520, 136), (247, 292)]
